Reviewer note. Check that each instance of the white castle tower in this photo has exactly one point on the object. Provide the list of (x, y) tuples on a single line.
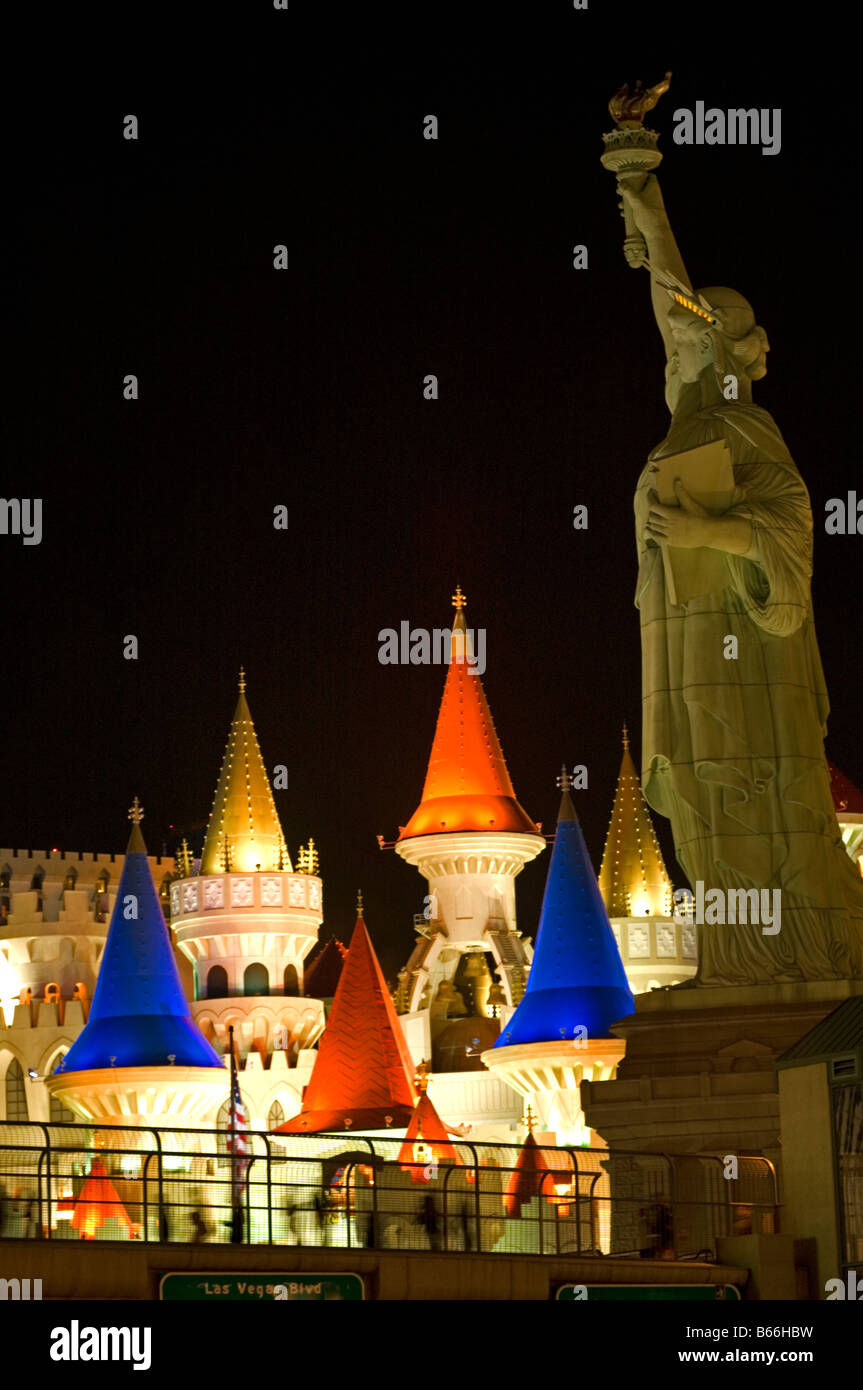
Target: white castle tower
[(139, 1060), (469, 838), (247, 920)]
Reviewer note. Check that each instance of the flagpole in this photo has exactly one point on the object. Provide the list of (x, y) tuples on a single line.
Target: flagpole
[(233, 1132)]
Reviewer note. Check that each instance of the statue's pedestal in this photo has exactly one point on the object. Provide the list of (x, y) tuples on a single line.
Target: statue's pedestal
[(698, 1075)]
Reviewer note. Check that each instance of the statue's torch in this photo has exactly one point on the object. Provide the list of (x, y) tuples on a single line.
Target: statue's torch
[(631, 151)]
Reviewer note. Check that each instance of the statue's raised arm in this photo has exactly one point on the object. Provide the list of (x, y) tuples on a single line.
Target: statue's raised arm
[(642, 199), (631, 153)]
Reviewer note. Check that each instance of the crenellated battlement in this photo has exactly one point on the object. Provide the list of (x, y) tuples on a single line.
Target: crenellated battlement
[(68, 1014), (35, 857), (69, 888)]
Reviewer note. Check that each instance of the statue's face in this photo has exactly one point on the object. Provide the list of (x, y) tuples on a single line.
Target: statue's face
[(693, 345)]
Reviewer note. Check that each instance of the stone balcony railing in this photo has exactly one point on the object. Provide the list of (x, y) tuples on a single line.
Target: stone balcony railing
[(239, 892)]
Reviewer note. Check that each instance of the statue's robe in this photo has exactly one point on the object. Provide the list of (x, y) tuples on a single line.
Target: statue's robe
[(733, 750)]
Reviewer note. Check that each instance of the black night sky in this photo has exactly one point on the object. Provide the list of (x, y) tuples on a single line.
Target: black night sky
[(304, 388)]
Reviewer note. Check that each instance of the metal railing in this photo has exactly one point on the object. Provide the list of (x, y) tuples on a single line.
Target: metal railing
[(61, 1182)]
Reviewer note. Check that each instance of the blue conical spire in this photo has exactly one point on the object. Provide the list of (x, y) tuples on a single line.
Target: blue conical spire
[(576, 978), (139, 1016)]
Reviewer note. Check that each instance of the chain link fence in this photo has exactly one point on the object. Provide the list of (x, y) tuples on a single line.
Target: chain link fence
[(75, 1182)]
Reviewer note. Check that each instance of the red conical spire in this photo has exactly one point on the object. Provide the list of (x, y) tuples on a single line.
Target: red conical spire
[(467, 785), (527, 1178), (97, 1202), (363, 1074), (426, 1141)]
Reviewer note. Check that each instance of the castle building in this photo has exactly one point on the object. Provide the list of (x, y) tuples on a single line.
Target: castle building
[(492, 1023)]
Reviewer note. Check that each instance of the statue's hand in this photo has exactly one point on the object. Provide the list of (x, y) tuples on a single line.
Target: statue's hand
[(644, 202), (687, 525)]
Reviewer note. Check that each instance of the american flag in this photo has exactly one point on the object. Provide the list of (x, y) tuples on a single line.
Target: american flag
[(238, 1142)]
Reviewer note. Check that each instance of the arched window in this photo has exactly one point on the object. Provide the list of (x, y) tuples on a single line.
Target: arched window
[(5, 890), (16, 1096), (70, 879), (292, 983), (217, 982), (256, 979), (275, 1116), (223, 1119)]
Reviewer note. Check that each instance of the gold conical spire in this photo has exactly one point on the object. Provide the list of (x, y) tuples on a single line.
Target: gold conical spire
[(632, 879), (244, 832)]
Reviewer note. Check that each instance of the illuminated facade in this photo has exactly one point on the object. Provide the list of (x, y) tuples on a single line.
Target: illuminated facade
[(245, 920)]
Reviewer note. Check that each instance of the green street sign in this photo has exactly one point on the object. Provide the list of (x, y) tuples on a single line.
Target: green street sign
[(245, 1288), (662, 1293)]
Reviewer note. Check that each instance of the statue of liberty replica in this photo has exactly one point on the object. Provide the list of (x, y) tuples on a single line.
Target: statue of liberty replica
[(734, 699)]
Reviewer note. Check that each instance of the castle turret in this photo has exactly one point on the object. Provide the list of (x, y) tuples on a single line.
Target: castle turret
[(469, 838), (244, 834), (637, 892), (55, 906), (427, 1141), (363, 1075), (140, 1057), (561, 1030), (247, 920)]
